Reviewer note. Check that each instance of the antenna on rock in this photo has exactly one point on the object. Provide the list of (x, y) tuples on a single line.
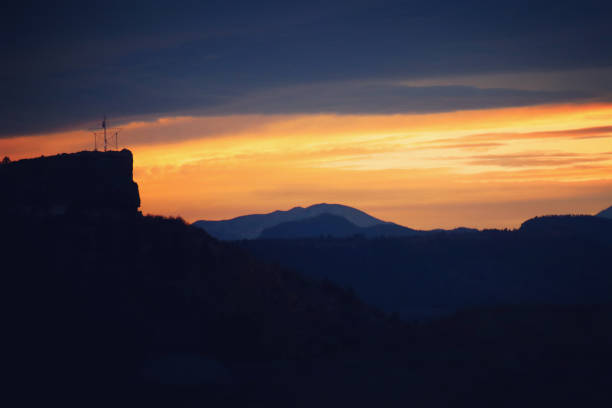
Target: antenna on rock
[(102, 131)]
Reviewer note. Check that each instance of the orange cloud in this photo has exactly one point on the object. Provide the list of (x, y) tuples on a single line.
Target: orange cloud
[(487, 168)]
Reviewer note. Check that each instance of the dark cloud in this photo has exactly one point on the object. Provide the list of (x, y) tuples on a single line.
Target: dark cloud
[(357, 98), (66, 63)]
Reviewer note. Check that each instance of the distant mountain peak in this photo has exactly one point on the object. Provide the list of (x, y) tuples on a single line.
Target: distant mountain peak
[(251, 226), (322, 219)]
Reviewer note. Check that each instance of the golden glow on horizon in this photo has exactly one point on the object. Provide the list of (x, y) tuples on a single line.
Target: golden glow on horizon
[(485, 168)]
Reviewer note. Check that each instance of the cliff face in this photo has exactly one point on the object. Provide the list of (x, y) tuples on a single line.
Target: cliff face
[(92, 182)]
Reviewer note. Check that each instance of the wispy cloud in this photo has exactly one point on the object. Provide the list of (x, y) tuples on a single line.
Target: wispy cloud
[(493, 138), (478, 168), (536, 159)]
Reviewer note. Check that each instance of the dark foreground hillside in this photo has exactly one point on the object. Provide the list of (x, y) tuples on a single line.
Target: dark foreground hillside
[(99, 299), (106, 307), (145, 311)]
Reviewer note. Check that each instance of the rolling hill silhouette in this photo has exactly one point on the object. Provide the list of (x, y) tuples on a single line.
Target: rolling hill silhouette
[(550, 260), (595, 229)]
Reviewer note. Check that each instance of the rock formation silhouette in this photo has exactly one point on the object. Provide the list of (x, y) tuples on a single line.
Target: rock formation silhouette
[(92, 182)]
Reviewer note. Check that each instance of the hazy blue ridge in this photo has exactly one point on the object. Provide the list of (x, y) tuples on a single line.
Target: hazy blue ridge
[(251, 226), (337, 221)]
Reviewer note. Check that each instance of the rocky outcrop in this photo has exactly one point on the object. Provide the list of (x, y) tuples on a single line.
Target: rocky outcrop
[(85, 182)]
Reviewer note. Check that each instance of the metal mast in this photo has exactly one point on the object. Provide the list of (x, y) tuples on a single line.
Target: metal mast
[(103, 130), (104, 127)]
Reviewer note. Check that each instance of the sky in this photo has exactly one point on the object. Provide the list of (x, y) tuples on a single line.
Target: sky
[(429, 114)]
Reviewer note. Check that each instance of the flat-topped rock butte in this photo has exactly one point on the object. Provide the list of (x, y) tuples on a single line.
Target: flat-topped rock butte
[(87, 181)]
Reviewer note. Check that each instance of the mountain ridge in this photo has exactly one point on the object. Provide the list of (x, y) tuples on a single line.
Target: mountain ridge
[(549, 260), (256, 226), (333, 226), (252, 225)]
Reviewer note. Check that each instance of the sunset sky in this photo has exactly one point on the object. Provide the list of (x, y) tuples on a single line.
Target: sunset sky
[(444, 114)]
